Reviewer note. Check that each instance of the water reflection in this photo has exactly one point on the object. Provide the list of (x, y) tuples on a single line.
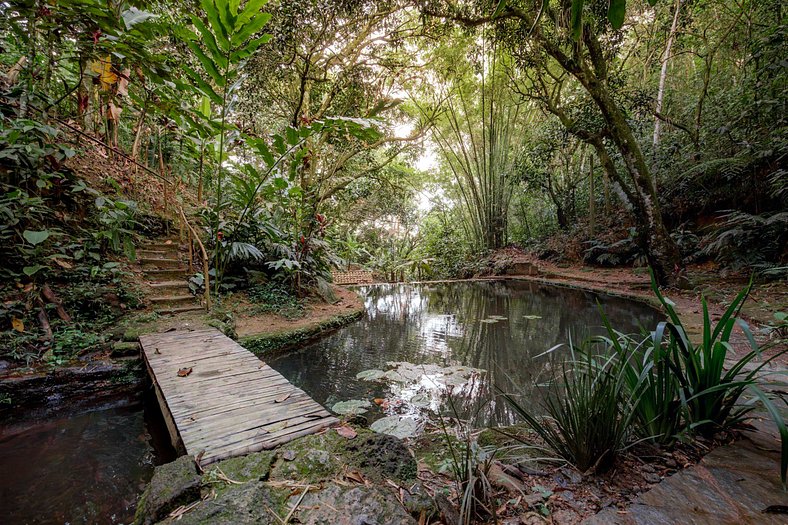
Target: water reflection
[(500, 327)]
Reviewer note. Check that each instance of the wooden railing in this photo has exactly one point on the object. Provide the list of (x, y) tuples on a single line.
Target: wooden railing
[(193, 236)]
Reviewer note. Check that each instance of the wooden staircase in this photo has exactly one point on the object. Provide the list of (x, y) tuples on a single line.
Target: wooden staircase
[(167, 276)]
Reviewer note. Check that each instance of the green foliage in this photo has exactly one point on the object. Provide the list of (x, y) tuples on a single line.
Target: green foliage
[(275, 298), (757, 242), (71, 342), (710, 392), (589, 411), (469, 465)]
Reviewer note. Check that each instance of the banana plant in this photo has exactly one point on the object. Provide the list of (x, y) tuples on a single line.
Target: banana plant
[(221, 45)]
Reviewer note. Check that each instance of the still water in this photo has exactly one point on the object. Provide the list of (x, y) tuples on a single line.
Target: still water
[(501, 328), (86, 467)]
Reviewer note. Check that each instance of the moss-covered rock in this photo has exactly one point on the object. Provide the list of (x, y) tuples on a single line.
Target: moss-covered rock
[(270, 343), (251, 503), (382, 457), (173, 484), (359, 505), (254, 467), (125, 348)]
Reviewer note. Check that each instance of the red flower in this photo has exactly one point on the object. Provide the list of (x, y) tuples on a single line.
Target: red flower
[(219, 235)]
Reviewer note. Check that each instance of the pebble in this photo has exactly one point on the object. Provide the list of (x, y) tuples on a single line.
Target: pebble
[(651, 477)]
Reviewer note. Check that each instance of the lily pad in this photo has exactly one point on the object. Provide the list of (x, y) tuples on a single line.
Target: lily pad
[(397, 426), (352, 407), (370, 375)]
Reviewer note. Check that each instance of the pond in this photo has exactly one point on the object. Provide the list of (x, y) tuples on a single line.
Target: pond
[(84, 467), (454, 340)]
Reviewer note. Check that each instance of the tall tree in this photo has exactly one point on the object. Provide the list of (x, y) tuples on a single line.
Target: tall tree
[(579, 40)]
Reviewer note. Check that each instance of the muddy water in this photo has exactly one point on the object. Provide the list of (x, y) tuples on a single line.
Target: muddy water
[(87, 467), (502, 328)]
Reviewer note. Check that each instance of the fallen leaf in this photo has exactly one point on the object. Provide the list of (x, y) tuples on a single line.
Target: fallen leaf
[(346, 432), (156, 351), (17, 324), (282, 398), (354, 475), (64, 264), (379, 400), (183, 372)]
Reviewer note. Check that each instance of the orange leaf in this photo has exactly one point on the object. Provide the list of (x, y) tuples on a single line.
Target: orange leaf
[(183, 372), (346, 432), (17, 324)]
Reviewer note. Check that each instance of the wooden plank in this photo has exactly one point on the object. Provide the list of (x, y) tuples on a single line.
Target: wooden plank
[(227, 405), (190, 408), (263, 432)]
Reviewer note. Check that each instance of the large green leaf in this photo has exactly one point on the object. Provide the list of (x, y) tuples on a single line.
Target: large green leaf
[(209, 40), (226, 17), (35, 237), (250, 48), (254, 26), (32, 270), (219, 29), (207, 63), (134, 16), (202, 85), (252, 8), (616, 12)]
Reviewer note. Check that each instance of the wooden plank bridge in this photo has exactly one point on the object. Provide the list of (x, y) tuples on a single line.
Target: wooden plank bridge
[(220, 400)]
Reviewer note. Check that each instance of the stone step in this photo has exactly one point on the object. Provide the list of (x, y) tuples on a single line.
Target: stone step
[(157, 245), (172, 300), (181, 309), (161, 263), (161, 275), (144, 253), (170, 288)]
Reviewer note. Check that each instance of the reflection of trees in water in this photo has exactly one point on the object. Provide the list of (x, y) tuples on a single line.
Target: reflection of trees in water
[(442, 324)]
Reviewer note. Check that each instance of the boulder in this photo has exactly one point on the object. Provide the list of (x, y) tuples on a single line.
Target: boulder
[(173, 484), (359, 505)]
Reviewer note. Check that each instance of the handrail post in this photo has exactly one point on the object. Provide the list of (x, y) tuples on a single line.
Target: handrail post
[(206, 275)]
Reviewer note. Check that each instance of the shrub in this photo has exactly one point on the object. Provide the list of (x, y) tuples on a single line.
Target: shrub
[(589, 413)]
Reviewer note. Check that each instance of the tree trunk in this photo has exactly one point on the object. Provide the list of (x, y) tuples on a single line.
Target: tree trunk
[(660, 249), (664, 71)]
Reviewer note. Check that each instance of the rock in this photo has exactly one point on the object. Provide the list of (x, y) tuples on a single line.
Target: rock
[(253, 467), (382, 456), (501, 479), (651, 477), (448, 512), (252, 503), (172, 485), (572, 475), (418, 501), (313, 463), (360, 505), (123, 348)]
